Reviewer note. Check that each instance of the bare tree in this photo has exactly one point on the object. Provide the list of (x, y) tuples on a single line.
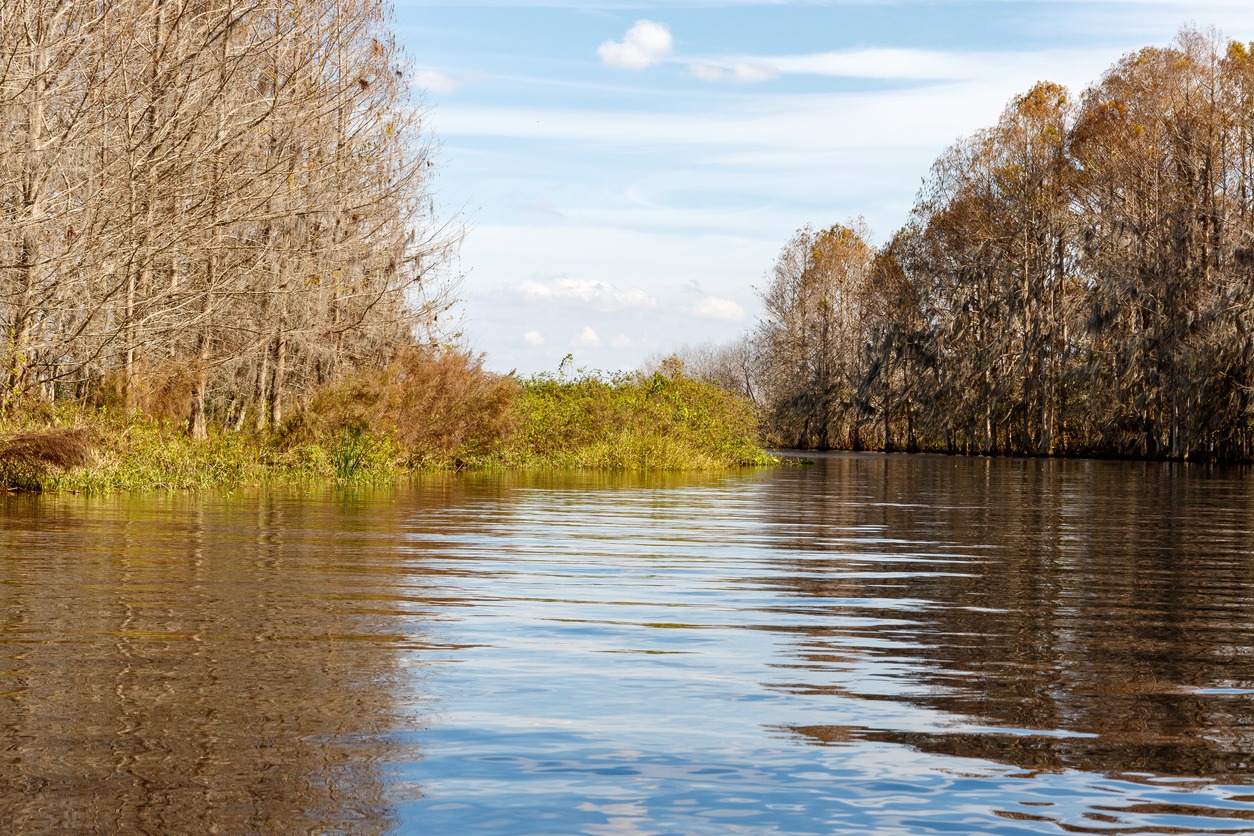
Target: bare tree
[(209, 204), (1078, 278), (813, 336)]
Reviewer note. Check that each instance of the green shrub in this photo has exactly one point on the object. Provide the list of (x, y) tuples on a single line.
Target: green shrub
[(631, 421), (426, 410)]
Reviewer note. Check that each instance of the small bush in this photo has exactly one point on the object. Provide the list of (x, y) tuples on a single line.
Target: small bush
[(439, 407), (28, 458)]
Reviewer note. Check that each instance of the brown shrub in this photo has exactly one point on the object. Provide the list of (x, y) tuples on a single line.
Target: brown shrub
[(26, 458), (437, 404), (26, 409), (160, 390)]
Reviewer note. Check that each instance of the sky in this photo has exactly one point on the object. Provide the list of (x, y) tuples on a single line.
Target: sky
[(627, 172)]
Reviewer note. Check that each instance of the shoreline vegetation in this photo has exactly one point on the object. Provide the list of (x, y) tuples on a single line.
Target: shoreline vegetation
[(220, 264), (1076, 280), (427, 411)]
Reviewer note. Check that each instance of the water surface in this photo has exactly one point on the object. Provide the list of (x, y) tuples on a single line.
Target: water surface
[(871, 645)]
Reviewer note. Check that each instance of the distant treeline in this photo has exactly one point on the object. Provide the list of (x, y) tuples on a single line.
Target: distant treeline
[(206, 206), (1078, 279)]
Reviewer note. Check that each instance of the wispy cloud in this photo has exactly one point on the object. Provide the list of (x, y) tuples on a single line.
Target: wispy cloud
[(436, 81), (955, 93), (889, 64), (646, 44), (542, 208), (739, 72), (916, 64), (816, 122), (581, 293), (717, 308)]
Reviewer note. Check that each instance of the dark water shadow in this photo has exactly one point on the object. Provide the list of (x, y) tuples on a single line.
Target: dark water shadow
[(1086, 615)]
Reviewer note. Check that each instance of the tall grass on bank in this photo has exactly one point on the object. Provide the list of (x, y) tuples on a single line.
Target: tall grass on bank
[(632, 421), (117, 452), (427, 410), (139, 452), (444, 411)]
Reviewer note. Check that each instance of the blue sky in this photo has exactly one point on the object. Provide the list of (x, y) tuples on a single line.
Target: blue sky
[(628, 171)]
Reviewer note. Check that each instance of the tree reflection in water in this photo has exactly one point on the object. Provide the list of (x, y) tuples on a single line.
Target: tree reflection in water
[(547, 652), (168, 665), (1079, 614)]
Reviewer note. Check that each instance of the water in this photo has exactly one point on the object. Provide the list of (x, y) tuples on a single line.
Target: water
[(872, 645)]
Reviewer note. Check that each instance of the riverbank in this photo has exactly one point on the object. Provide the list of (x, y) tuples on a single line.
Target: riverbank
[(418, 415)]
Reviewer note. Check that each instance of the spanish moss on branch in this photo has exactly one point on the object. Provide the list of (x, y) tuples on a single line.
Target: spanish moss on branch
[(1077, 279)]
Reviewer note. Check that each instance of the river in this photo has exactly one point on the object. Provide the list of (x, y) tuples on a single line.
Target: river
[(867, 645)]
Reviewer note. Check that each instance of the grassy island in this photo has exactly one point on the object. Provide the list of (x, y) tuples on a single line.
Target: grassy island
[(427, 410)]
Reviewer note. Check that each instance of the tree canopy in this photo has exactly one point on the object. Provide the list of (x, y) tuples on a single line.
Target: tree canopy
[(1076, 279), (206, 205)]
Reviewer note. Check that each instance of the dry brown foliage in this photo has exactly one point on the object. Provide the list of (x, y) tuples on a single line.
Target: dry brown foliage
[(437, 404), (240, 188), (158, 391), (26, 457)]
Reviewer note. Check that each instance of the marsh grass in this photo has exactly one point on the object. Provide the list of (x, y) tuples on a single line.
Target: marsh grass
[(358, 456), (633, 421), (145, 453), (423, 412)]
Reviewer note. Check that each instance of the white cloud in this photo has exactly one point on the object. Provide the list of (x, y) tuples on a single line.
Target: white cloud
[(587, 338), (543, 208), (748, 72), (533, 338), (888, 64), (621, 341), (894, 119), (435, 81), (930, 114), (646, 44), (739, 72), (718, 308), (581, 293), (707, 72), (904, 65), (918, 64)]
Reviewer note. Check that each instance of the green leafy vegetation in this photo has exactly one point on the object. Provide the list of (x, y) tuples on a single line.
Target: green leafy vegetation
[(637, 421), (428, 410)]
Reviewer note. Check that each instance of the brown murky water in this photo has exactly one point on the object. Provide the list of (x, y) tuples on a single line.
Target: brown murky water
[(869, 645)]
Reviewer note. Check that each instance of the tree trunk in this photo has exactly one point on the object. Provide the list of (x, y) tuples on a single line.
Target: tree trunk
[(276, 388)]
